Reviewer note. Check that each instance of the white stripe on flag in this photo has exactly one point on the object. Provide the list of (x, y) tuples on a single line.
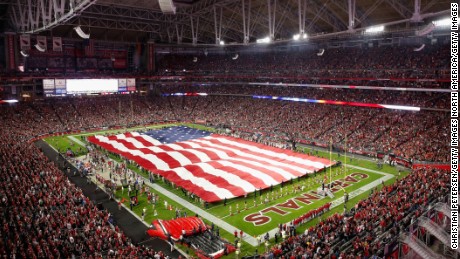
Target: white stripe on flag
[(203, 183), (268, 180), (134, 141), (183, 160), (158, 163), (231, 178), (215, 167), (318, 165), (147, 138), (258, 158)]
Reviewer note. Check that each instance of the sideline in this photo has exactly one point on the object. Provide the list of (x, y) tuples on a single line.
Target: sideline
[(128, 224), (101, 187), (337, 202), (230, 228), (249, 238), (74, 139)]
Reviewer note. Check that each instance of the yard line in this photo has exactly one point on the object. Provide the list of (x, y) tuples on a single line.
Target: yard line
[(74, 139)]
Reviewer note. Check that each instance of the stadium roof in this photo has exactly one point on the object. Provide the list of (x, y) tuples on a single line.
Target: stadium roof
[(212, 21)]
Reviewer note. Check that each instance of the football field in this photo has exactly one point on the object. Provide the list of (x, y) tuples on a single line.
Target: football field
[(260, 211)]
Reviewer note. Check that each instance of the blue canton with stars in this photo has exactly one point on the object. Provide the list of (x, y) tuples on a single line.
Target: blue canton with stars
[(176, 134)]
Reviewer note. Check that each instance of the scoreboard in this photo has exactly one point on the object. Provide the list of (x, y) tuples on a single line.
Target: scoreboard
[(63, 87), (48, 86)]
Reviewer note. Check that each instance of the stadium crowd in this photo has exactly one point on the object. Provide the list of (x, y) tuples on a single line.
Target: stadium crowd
[(43, 214), (60, 221), (371, 224), (381, 62), (419, 99), (412, 135)]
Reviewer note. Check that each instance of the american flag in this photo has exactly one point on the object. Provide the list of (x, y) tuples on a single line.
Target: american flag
[(212, 166)]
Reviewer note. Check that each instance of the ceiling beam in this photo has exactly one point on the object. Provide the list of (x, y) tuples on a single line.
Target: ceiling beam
[(30, 16), (400, 8), (151, 17), (320, 12), (114, 24), (429, 5), (371, 9)]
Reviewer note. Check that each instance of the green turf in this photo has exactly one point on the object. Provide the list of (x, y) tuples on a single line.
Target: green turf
[(219, 210), (238, 219), (311, 183), (351, 160), (62, 143)]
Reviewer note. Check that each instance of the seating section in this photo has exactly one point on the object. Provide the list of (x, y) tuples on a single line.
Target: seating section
[(380, 62), (411, 135), (207, 243), (43, 214), (373, 223)]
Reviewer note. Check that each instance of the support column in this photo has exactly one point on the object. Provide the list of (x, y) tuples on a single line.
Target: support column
[(58, 8), (179, 33), (46, 14), (218, 24), (302, 10), (271, 18), (351, 14), (416, 17), (246, 20), (194, 29)]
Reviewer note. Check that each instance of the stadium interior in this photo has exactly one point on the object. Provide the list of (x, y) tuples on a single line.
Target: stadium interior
[(225, 129)]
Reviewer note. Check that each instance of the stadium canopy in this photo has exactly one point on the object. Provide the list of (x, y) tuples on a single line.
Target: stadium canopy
[(215, 21)]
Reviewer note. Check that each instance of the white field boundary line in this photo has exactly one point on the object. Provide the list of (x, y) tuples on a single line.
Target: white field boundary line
[(101, 187), (204, 214), (52, 147), (337, 202), (79, 142), (249, 238), (218, 222)]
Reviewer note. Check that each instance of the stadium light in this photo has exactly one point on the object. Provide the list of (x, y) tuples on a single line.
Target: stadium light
[(442, 23), (80, 32), (221, 42), (375, 29), (264, 40), (299, 36)]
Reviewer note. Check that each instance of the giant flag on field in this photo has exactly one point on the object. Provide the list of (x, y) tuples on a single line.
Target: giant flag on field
[(211, 166)]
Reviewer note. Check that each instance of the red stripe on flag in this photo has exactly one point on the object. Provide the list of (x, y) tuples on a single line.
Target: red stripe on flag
[(191, 187), (214, 167), (216, 180), (285, 168), (256, 182)]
